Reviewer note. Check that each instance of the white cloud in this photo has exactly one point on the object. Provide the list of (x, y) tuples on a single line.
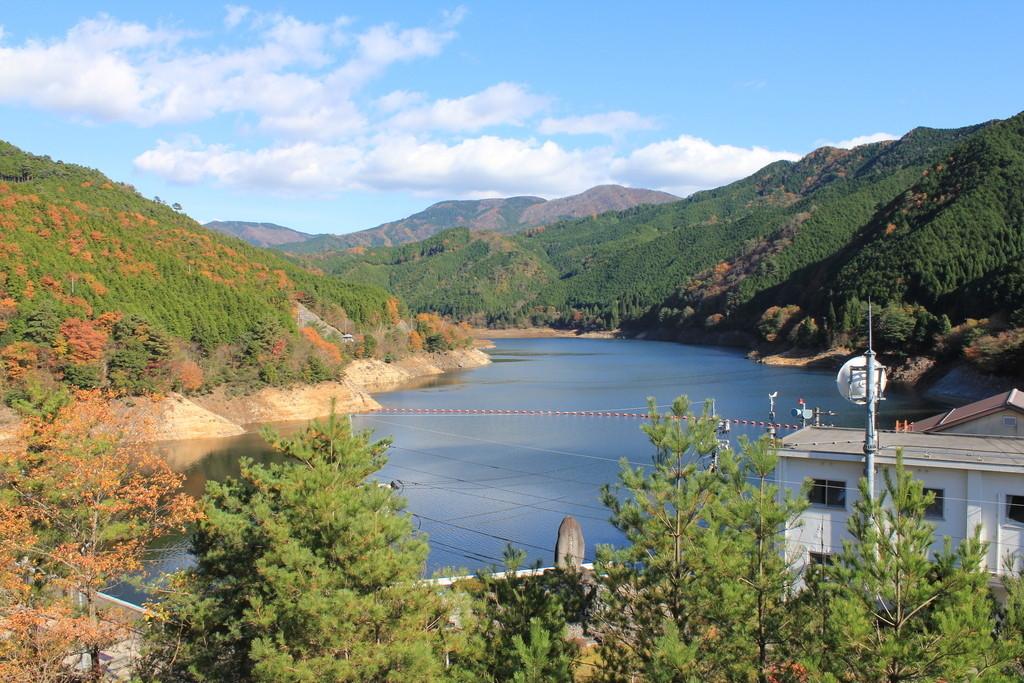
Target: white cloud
[(687, 164), (235, 14), (501, 104), (397, 100), (480, 166), (452, 18), (85, 73), (861, 140), (292, 76), (304, 83), (486, 165), (611, 123), (382, 46), (305, 168)]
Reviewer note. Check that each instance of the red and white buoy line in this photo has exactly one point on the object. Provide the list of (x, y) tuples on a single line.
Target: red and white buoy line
[(550, 413)]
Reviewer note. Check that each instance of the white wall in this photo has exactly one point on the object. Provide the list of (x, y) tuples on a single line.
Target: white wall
[(972, 498)]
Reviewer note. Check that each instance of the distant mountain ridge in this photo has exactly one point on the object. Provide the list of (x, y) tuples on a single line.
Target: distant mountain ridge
[(929, 227), (259, 234), (504, 215)]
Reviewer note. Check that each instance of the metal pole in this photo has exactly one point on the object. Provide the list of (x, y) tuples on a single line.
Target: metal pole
[(870, 438)]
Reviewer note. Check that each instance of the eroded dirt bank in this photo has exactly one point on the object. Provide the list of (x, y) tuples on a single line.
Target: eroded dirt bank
[(486, 333), (174, 417), (375, 375)]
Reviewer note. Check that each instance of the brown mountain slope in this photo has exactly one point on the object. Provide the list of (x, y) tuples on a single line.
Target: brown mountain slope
[(596, 200), (506, 215), (259, 234)]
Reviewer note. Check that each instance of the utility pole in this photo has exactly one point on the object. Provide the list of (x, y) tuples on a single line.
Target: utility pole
[(861, 380), (870, 436)]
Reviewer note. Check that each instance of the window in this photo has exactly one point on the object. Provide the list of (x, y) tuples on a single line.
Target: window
[(1015, 508), (828, 493), (936, 510), (821, 559), (1009, 421)]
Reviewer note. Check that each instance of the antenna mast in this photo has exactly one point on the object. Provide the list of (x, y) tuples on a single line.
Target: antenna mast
[(862, 380), (870, 436)]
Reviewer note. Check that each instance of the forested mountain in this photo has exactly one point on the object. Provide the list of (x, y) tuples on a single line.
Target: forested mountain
[(930, 225), (943, 248), (504, 215), (454, 273), (102, 287), (259, 234)]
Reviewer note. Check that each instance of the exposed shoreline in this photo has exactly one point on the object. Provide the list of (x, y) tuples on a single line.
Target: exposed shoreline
[(951, 383), (486, 333), (174, 417)]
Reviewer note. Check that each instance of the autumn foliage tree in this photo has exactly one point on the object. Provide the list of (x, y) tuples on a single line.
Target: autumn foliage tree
[(187, 375), (82, 499), (83, 341)]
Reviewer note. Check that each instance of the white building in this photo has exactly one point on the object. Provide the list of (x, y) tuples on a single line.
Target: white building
[(977, 477)]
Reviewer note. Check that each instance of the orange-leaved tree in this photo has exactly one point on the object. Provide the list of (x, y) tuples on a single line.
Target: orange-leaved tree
[(82, 499)]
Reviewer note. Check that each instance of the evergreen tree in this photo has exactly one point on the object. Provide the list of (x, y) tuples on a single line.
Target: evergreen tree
[(524, 623), (306, 570), (718, 609), (755, 576), (893, 610), (1011, 626), (538, 660), (831, 323), (654, 592)]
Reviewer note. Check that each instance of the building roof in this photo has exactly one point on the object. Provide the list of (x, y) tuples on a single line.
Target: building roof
[(1013, 399), (959, 451)]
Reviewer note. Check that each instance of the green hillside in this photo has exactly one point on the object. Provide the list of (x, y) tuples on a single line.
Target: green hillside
[(929, 225), (102, 287), (471, 278), (935, 246), (625, 264)]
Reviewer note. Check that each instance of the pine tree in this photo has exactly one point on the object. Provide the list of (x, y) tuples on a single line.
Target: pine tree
[(755, 576), (1011, 624), (538, 660), (514, 610), (307, 570), (831, 323), (893, 610), (653, 591)]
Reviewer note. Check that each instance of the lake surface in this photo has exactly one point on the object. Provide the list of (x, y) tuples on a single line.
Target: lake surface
[(477, 482)]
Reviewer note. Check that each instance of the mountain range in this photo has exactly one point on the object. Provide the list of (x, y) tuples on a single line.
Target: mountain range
[(259, 234), (930, 227), (505, 215), (101, 287)]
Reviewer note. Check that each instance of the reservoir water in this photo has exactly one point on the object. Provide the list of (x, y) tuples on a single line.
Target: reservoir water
[(477, 482)]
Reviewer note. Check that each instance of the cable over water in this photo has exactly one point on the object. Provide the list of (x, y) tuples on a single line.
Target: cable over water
[(553, 413)]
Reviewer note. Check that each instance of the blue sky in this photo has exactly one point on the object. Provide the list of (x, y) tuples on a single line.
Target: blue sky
[(331, 117)]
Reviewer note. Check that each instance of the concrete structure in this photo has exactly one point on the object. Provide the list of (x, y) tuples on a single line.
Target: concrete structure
[(978, 481)]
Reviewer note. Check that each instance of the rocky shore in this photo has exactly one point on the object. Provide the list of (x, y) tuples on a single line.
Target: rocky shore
[(376, 376), (539, 333), (219, 414)]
